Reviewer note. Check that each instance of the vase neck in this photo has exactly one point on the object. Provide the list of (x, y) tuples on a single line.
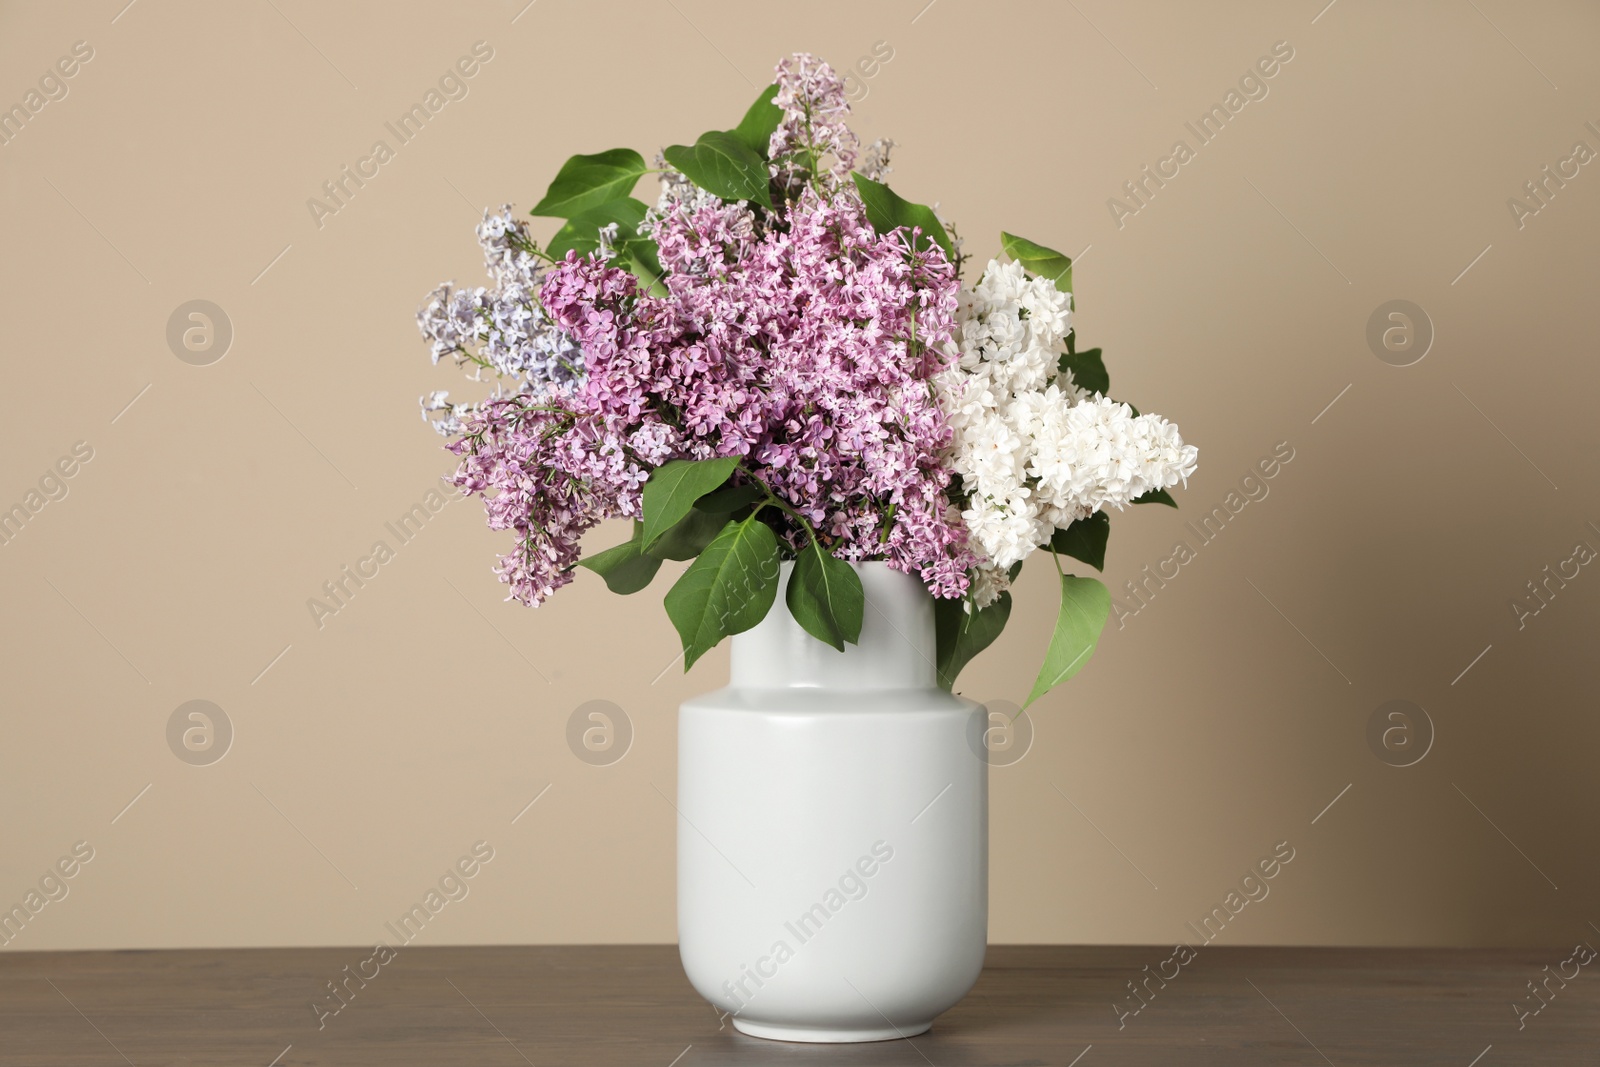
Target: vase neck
[(896, 650)]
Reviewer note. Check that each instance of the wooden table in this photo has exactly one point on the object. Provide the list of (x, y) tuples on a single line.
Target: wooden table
[(562, 1005)]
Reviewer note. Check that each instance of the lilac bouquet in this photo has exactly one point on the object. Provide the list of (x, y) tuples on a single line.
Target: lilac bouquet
[(779, 360)]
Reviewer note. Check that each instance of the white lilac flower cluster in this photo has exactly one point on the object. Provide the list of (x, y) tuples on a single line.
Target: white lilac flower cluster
[(501, 329), (1034, 451)]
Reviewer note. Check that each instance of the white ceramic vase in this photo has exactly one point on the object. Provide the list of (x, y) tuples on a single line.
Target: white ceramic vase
[(833, 844)]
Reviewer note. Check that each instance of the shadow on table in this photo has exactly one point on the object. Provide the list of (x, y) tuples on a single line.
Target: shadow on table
[(992, 1025)]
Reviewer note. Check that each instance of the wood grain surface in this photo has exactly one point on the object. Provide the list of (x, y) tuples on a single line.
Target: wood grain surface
[(631, 1004)]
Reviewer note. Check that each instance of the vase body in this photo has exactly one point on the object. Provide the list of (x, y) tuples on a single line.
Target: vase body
[(833, 828)]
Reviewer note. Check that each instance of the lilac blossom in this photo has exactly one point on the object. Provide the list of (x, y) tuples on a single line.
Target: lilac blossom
[(500, 329), (808, 353), (812, 138), (802, 342)]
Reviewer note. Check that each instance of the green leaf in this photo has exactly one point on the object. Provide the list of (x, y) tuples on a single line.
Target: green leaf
[(673, 488), (633, 253), (1156, 496), (960, 635), (689, 536), (1085, 539), (887, 211), (730, 498), (755, 129), (1037, 259), (639, 257), (625, 568), (1088, 371), (825, 597), (727, 590), (586, 182), (723, 165), (583, 231), (1085, 606)]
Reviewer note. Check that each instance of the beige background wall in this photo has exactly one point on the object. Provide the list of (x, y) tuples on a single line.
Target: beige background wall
[(1222, 719)]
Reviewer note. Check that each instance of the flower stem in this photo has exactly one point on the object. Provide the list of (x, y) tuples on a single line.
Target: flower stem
[(778, 502)]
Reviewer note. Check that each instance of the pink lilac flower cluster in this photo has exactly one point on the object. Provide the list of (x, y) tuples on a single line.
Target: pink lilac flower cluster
[(808, 353), (802, 342), (813, 129), (550, 472)]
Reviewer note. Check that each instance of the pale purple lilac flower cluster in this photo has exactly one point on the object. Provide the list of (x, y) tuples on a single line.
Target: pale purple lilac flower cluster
[(500, 329)]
